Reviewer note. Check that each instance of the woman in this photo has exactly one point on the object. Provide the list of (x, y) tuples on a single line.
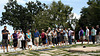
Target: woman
[(29, 40), (15, 40), (58, 36), (43, 37), (23, 40), (62, 36), (55, 37)]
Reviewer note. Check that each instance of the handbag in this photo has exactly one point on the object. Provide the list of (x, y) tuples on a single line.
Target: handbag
[(28, 40)]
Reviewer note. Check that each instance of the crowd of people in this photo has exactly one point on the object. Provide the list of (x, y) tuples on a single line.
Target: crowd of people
[(90, 35), (56, 37)]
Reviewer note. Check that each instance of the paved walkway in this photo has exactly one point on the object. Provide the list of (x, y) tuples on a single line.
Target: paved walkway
[(35, 48)]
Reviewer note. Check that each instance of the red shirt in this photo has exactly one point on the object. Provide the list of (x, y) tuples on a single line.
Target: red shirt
[(42, 35)]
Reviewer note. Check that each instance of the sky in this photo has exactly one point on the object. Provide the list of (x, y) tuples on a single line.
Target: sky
[(76, 4)]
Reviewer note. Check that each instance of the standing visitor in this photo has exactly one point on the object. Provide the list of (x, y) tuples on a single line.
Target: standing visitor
[(97, 34), (84, 36), (19, 35), (81, 34), (58, 37), (54, 37), (49, 35), (73, 36), (70, 36), (36, 37), (43, 38), (29, 39), (90, 38), (93, 35), (15, 40), (9, 41), (5, 33), (87, 34), (66, 36), (62, 36), (23, 42)]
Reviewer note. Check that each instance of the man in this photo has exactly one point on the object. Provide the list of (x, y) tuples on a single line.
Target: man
[(97, 34), (66, 36), (87, 34), (93, 35), (81, 34), (70, 36), (19, 35), (5, 33), (36, 37)]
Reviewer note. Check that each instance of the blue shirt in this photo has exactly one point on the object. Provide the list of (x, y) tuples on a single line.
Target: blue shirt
[(28, 35), (36, 34)]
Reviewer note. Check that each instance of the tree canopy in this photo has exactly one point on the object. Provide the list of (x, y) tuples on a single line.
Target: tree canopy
[(35, 15)]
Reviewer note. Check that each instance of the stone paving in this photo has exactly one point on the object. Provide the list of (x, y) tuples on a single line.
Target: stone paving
[(56, 51)]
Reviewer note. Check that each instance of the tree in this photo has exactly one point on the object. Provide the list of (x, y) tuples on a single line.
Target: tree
[(90, 15), (60, 13), (21, 17)]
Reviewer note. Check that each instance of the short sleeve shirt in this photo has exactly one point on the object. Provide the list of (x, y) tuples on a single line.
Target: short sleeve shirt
[(93, 32), (87, 32), (14, 35), (36, 34), (5, 36)]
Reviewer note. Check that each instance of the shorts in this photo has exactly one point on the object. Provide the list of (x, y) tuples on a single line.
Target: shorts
[(81, 37), (84, 37), (44, 40), (36, 39), (87, 37), (50, 39), (65, 38), (4, 42), (15, 42)]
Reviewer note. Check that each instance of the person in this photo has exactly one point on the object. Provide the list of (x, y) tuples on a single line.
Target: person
[(62, 36), (36, 37), (81, 34), (97, 34), (19, 35), (73, 36), (66, 36), (84, 36), (87, 34), (15, 39), (23, 42), (70, 36), (54, 37), (90, 38), (43, 37), (29, 39), (5, 33), (8, 40), (58, 36), (93, 35), (49, 35)]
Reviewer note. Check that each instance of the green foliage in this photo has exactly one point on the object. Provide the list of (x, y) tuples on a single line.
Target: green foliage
[(90, 15), (35, 15)]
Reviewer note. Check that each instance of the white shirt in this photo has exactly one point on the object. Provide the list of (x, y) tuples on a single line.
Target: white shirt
[(95, 31), (87, 32), (22, 38), (70, 32), (55, 34)]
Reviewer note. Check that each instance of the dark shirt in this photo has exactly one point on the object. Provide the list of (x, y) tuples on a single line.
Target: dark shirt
[(98, 30), (14, 35), (81, 32), (5, 36)]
